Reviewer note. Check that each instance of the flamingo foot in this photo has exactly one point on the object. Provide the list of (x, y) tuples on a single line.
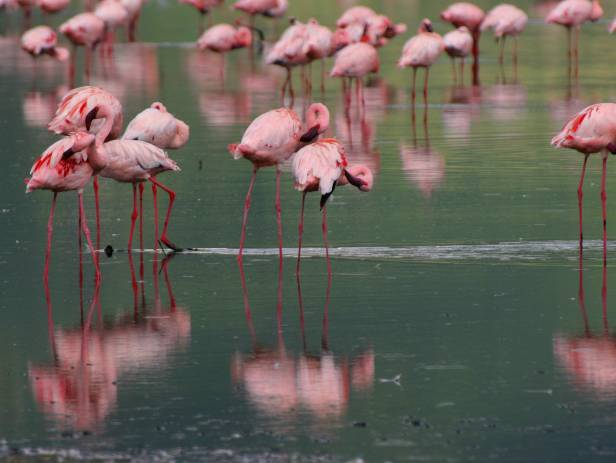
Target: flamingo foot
[(169, 244)]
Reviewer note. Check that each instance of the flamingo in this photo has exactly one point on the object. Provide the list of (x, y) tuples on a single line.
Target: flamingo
[(58, 170), (81, 109), (505, 20), (268, 8), (52, 6), (318, 45), (572, 14), (223, 38), (270, 140), (422, 51), (203, 7), (458, 44), (592, 130), (321, 166), (471, 16), (133, 8), (361, 19), (85, 29), (42, 40), (355, 62), (114, 14)]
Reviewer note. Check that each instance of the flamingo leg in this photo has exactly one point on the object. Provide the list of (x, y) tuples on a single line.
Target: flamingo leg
[(86, 232), (98, 211), (278, 216), (291, 91), (476, 37), (80, 250), (326, 242), (155, 202), (604, 205), (425, 90), (570, 50), (606, 325), (164, 239), (577, 52), (300, 231), (164, 265), (580, 194), (49, 236), (453, 71), (133, 219), (462, 72), (141, 187), (414, 82), (246, 210), (322, 75), (581, 294)]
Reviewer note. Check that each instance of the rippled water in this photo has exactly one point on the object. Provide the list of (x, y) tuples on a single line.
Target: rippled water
[(459, 324)]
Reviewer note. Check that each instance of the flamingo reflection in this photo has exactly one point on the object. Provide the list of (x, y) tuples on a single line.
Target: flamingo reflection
[(79, 389)]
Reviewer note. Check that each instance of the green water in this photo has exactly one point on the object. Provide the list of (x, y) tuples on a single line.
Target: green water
[(454, 328)]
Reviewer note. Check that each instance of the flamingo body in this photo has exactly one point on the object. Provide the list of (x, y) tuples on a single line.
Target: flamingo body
[(222, 38), (53, 6), (84, 29), (113, 13), (590, 131), (355, 14), (573, 13), (42, 40), (504, 20), (254, 7), (458, 43), (464, 14), (159, 127), (422, 50), (357, 60)]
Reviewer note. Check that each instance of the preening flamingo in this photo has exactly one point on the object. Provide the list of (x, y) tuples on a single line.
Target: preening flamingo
[(471, 16), (592, 130), (458, 44), (270, 140), (505, 20), (80, 110), (42, 40), (355, 62), (223, 38), (53, 6), (361, 20), (321, 166), (572, 14), (422, 51), (63, 167)]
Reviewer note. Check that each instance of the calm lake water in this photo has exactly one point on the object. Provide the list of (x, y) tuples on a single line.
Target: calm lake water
[(459, 324)]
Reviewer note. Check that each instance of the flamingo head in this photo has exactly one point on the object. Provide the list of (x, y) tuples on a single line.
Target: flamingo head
[(157, 105), (425, 26), (340, 39), (360, 176), (243, 37), (317, 122)]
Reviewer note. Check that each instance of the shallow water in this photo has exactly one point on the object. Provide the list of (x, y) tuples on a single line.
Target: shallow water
[(459, 323)]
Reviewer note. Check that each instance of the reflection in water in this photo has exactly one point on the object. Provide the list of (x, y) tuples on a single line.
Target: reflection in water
[(79, 389), (283, 385), (39, 107), (506, 102)]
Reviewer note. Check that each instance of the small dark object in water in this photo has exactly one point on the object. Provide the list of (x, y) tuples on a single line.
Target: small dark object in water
[(109, 250), (360, 424), (200, 164)]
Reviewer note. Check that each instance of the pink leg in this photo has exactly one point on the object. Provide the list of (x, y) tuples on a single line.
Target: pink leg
[(98, 216), (580, 199), (133, 219), (604, 206), (425, 92), (278, 216), (325, 334), (581, 294), (171, 194), (86, 231), (49, 235), (141, 187), (165, 263), (414, 82), (326, 243), (154, 199), (80, 250), (246, 209), (606, 325), (300, 233), (135, 287), (247, 311)]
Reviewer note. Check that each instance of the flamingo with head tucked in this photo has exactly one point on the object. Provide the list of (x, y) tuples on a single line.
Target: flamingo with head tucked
[(458, 44), (223, 38), (85, 29), (270, 140), (592, 130), (42, 40), (63, 167), (505, 20), (355, 62), (52, 6), (321, 166)]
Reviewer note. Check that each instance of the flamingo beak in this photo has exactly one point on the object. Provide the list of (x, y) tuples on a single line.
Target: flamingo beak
[(90, 117), (311, 134)]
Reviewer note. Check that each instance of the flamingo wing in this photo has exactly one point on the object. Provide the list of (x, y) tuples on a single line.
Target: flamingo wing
[(321, 162)]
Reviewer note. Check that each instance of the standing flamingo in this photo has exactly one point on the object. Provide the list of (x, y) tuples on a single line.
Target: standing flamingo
[(133, 8), (321, 166), (53, 6), (85, 29), (355, 62), (572, 14), (58, 170), (458, 44), (82, 109), (471, 16), (223, 38), (422, 51), (270, 140), (360, 20), (203, 7), (42, 40), (115, 15), (505, 20), (592, 130), (318, 45), (268, 8)]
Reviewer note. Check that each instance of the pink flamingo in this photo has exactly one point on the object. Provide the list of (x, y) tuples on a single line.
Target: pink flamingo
[(471, 16), (572, 14), (592, 130), (268, 8), (355, 14), (42, 40), (203, 7), (360, 20), (458, 44), (58, 170), (321, 166), (318, 45), (133, 8), (114, 14), (52, 6), (82, 109), (355, 62), (422, 51), (505, 20), (85, 29), (223, 38), (270, 140)]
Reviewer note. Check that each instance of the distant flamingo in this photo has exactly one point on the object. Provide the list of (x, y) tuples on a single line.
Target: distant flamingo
[(42, 40), (81, 109), (133, 8), (422, 51), (289, 52), (458, 44), (85, 29), (572, 14), (355, 62), (318, 45), (361, 20), (592, 130), (505, 20), (471, 16), (53, 6), (271, 139), (59, 170), (115, 15), (321, 166), (203, 7), (355, 14), (223, 38), (268, 8)]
